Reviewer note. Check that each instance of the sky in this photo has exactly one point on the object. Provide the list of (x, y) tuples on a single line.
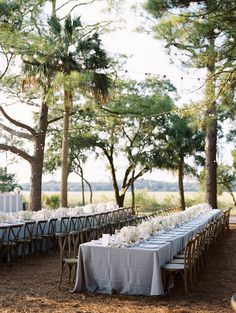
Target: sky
[(145, 55)]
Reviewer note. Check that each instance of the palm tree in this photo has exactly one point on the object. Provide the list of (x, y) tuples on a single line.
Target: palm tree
[(77, 56)]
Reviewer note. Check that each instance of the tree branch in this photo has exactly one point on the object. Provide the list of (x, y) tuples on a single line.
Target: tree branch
[(16, 133), (141, 173), (16, 123), (17, 151), (76, 5), (7, 66)]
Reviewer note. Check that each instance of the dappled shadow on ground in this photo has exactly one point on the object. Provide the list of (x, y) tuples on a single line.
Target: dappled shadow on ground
[(30, 285)]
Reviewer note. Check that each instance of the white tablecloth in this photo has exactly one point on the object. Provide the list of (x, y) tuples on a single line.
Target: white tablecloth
[(134, 270)]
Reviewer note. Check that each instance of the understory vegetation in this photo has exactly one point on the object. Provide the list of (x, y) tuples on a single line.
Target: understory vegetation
[(147, 201)]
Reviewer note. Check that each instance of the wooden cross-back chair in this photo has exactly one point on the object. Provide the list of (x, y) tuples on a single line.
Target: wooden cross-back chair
[(186, 269), (10, 243), (67, 256), (26, 242), (225, 223), (38, 238), (3, 236)]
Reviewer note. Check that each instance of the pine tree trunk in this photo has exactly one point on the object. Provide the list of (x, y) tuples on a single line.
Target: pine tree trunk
[(211, 130), (211, 165), (65, 147), (37, 160), (180, 183), (36, 184)]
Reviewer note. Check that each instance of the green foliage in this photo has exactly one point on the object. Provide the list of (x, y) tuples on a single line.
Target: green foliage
[(202, 33), (176, 141), (146, 202), (7, 181), (51, 201), (226, 176)]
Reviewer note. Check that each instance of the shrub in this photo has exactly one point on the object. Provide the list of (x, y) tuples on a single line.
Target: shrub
[(146, 202), (51, 201)]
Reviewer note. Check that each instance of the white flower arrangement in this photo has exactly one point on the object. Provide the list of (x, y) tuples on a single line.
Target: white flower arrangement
[(59, 213), (129, 234), (145, 229), (76, 211), (24, 215), (43, 214), (3, 217), (156, 225), (7, 218), (89, 208)]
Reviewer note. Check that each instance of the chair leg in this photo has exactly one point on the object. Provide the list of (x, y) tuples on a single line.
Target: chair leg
[(61, 272), (185, 278)]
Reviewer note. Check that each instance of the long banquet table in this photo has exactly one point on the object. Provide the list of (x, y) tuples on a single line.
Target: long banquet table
[(133, 270)]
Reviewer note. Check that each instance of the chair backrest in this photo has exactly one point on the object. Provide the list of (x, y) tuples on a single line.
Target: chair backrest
[(3, 233), (97, 220), (52, 226), (120, 214), (104, 218), (82, 222), (64, 224), (73, 223), (29, 228), (190, 253), (13, 233), (89, 221), (226, 217), (75, 238), (63, 242), (40, 228)]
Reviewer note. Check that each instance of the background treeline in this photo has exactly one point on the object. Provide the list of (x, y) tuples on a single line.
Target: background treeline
[(150, 185)]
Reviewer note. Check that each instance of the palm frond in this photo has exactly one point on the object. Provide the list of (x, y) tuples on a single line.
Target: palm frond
[(55, 25)]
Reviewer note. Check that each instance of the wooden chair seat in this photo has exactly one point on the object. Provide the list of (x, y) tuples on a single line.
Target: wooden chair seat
[(173, 266)]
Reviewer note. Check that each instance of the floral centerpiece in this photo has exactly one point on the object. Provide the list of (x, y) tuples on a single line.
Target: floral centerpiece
[(155, 225), (129, 234), (24, 215)]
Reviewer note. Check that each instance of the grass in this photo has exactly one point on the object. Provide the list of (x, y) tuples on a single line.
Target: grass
[(148, 201)]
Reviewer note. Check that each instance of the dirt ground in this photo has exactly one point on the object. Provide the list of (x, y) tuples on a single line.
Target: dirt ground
[(30, 285)]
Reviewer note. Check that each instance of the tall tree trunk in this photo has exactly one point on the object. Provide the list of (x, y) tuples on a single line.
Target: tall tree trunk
[(36, 183), (211, 130), (37, 160), (90, 191), (180, 182), (65, 146), (82, 185), (120, 200), (132, 190)]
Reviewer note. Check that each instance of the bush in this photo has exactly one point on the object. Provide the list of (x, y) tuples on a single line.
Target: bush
[(146, 202), (51, 201)]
